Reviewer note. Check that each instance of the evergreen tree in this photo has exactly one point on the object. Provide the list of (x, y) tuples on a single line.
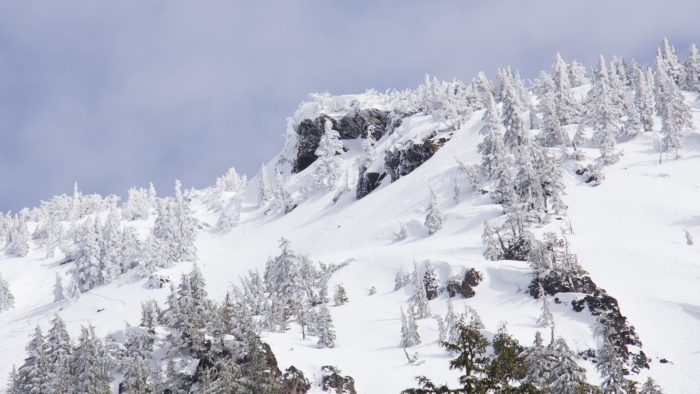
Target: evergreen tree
[(59, 294), (492, 249), (90, 364), (539, 363), (552, 133), (577, 74), (264, 189), (419, 299), (546, 319), (175, 228), (671, 63), (86, 271), (472, 359), (675, 114), (17, 243), (650, 387), (611, 368), (329, 165), (692, 69), (409, 330), (602, 113), (58, 353), (566, 375), (492, 149), (326, 330), (433, 216), (567, 109), (430, 282), (451, 323), (137, 377), (508, 365), (7, 300), (511, 115), (644, 97), (341, 296), (13, 383), (35, 373)]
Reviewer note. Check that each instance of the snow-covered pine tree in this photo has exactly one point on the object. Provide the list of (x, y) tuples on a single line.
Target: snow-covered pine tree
[(692, 69), (86, 271), (602, 113), (549, 172), (650, 387), (175, 228), (58, 353), (433, 216), (568, 110), (90, 364), (430, 282), (552, 133), (612, 369), (535, 121), (492, 249), (491, 147), (7, 300), (283, 279), (328, 170), (539, 364), (17, 243), (138, 376), (326, 330), (59, 293), (674, 113), (566, 375), (264, 189), (672, 64), (419, 300), (110, 260), (484, 88), (644, 97), (409, 330), (577, 74), (138, 205), (546, 318), (511, 115), (341, 296), (34, 375), (13, 384)]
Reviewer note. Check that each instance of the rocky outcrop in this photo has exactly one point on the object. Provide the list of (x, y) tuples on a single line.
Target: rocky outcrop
[(472, 278), (403, 160), (333, 381), (295, 382), (367, 182), (350, 126), (600, 304)]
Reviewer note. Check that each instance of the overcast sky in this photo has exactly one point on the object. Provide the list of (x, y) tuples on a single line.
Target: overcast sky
[(114, 94)]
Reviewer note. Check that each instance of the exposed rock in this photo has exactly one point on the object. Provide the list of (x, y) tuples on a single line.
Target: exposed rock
[(295, 382), (367, 182), (466, 287), (402, 161), (332, 380), (350, 126)]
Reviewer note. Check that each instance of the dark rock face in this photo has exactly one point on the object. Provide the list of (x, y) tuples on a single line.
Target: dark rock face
[(332, 380), (599, 303), (466, 288), (295, 382), (367, 182), (402, 161), (350, 126)]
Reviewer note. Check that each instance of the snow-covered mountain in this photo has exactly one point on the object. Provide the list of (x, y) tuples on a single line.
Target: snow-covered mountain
[(576, 195)]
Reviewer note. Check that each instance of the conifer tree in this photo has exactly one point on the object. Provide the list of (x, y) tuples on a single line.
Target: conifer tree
[(492, 149), (137, 377), (672, 65), (433, 216), (650, 387), (420, 298), (539, 363), (409, 330), (512, 117), (692, 70), (567, 109), (326, 330), (35, 373), (341, 296), (602, 113), (430, 282), (611, 368), (13, 383), (675, 114), (644, 97), (7, 300), (17, 243), (90, 364), (508, 365), (472, 359), (264, 189), (329, 165), (86, 271), (546, 319), (577, 74), (58, 353), (566, 375), (451, 323), (492, 249)]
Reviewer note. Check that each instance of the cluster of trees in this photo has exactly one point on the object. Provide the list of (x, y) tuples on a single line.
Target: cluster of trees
[(7, 300), (221, 336), (292, 289)]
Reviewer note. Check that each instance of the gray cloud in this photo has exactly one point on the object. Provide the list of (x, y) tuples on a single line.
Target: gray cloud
[(116, 94)]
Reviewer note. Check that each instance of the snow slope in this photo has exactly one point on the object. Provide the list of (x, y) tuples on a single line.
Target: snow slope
[(627, 232)]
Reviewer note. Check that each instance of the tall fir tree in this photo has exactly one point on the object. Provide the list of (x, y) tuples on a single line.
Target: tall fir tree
[(7, 300), (328, 171), (433, 216), (419, 300), (692, 69), (326, 329)]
